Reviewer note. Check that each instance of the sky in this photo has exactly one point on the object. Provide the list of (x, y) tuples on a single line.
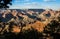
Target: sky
[(35, 4)]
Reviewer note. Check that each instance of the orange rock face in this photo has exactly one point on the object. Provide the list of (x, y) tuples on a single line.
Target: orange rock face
[(15, 29), (39, 26)]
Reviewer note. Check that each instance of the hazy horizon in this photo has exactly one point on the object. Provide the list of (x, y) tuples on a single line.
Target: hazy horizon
[(35, 4)]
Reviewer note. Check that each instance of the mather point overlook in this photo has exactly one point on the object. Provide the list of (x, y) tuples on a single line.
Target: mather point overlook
[(29, 19)]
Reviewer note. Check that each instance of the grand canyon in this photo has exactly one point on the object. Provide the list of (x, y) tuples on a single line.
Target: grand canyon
[(40, 23)]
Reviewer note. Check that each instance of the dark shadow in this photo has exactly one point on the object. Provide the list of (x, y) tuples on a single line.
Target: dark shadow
[(53, 29)]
